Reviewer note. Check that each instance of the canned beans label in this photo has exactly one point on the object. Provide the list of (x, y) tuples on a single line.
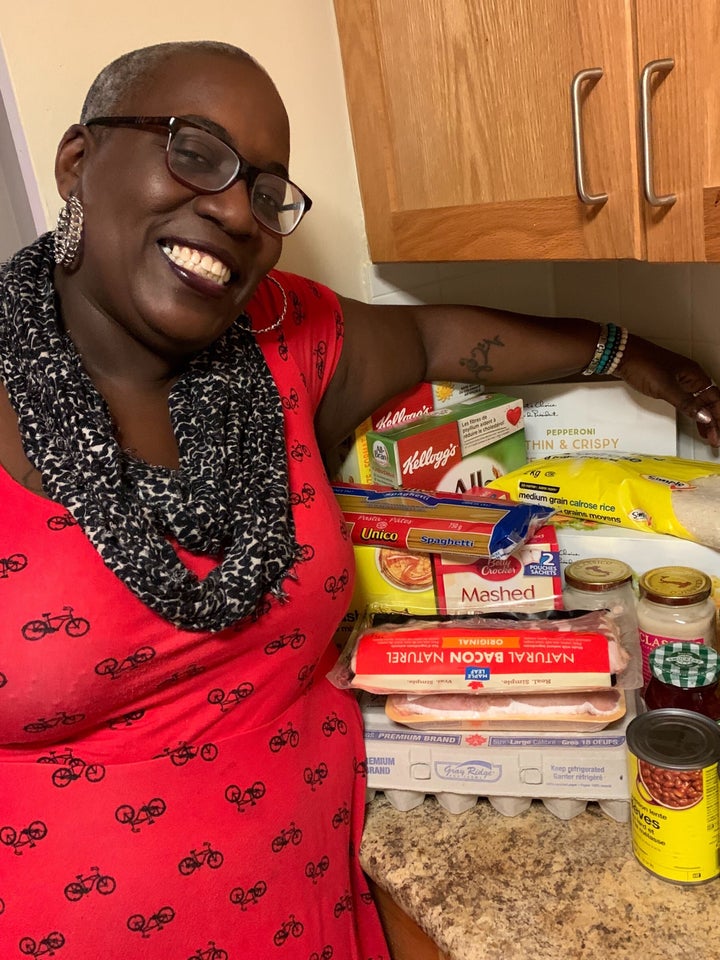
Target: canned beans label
[(675, 789), (675, 832)]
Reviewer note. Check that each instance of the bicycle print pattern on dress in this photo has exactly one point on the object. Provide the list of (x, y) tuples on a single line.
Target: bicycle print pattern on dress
[(178, 795)]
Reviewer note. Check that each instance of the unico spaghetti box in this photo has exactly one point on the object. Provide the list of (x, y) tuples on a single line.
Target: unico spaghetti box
[(456, 449)]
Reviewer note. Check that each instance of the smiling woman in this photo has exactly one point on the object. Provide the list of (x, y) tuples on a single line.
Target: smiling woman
[(179, 562)]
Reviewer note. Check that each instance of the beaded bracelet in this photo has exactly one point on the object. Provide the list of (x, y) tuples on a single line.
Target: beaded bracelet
[(619, 352), (599, 348), (608, 351)]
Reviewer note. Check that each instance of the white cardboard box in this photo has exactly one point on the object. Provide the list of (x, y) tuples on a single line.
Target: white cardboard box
[(641, 550), (591, 417)]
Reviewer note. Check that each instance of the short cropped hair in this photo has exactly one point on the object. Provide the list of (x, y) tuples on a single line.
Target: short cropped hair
[(116, 80)]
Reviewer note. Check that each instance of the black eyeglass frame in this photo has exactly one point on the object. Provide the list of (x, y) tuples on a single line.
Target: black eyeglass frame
[(246, 171)]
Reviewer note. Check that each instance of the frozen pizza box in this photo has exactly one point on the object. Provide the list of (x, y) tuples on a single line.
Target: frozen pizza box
[(590, 417), (455, 449)]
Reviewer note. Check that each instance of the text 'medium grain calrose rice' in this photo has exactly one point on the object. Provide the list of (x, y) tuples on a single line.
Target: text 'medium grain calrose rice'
[(660, 494)]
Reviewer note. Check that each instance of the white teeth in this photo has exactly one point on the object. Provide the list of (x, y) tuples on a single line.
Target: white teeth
[(195, 261)]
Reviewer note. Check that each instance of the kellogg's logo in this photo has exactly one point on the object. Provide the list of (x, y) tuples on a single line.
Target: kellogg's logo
[(397, 417), (429, 458)]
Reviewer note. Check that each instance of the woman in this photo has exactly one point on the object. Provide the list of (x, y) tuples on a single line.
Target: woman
[(178, 778)]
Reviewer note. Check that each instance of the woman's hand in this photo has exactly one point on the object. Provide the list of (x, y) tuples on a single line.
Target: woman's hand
[(665, 375)]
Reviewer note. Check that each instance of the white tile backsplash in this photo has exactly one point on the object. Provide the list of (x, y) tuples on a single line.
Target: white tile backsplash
[(705, 286), (655, 298), (526, 287), (676, 305), (589, 290), (428, 293), (391, 277)]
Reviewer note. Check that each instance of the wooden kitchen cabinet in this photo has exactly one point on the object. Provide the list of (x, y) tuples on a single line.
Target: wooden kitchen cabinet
[(462, 123)]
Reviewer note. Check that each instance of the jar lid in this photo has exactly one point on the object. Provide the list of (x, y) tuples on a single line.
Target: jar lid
[(686, 665), (675, 586), (597, 574)]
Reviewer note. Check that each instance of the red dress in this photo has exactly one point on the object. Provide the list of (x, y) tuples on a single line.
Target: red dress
[(169, 795)]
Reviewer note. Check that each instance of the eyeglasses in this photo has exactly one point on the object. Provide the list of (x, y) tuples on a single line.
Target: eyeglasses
[(205, 163)]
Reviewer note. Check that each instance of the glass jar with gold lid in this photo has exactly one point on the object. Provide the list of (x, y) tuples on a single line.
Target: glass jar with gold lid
[(604, 583), (675, 606)]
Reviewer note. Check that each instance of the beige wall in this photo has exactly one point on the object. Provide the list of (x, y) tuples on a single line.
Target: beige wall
[(54, 50)]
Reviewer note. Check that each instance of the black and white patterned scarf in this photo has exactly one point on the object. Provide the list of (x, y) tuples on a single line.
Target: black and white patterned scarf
[(228, 499)]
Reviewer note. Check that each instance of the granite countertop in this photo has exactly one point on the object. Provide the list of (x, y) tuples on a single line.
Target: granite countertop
[(485, 886)]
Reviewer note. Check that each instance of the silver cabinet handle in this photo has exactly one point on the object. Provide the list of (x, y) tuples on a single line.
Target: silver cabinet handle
[(593, 73), (654, 66)]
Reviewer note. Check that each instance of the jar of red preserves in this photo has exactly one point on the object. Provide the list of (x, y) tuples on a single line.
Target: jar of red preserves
[(685, 676)]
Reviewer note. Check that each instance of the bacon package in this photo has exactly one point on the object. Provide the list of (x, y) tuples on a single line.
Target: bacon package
[(577, 712), (473, 524), (505, 653)]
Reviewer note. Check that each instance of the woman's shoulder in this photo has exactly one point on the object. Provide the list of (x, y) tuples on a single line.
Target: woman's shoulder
[(307, 299), (298, 323), (302, 308)]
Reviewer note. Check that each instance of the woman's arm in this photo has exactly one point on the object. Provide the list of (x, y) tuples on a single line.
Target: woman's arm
[(391, 348)]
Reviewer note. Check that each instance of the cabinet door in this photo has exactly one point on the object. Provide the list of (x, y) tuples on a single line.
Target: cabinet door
[(684, 130), (461, 117)]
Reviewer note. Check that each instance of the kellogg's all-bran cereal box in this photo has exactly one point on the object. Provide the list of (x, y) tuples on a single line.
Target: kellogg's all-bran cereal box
[(418, 401), (462, 446)]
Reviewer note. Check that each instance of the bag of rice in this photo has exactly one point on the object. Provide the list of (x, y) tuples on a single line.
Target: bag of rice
[(661, 494)]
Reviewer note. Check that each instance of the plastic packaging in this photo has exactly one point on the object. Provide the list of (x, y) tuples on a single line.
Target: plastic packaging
[(663, 494), (550, 651), (582, 712), (470, 525)]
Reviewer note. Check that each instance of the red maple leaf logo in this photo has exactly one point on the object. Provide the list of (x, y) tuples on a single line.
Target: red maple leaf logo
[(476, 740), (476, 685)]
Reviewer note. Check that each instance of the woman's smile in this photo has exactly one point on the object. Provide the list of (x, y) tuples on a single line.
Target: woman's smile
[(198, 262)]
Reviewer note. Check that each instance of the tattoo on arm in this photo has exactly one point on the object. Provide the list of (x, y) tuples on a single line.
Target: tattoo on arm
[(477, 362)]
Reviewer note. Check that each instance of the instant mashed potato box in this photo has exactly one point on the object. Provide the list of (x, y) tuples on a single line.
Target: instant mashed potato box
[(398, 581)]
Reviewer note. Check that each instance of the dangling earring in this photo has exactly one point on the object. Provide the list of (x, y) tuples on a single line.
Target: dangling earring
[(276, 324), (68, 232)]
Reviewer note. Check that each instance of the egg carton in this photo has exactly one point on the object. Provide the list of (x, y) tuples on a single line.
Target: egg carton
[(563, 770), (456, 803)]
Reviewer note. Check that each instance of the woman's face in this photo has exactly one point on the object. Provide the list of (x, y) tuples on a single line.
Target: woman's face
[(135, 211)]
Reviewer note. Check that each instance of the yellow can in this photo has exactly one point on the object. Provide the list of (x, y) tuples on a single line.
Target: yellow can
[(673, 765)]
